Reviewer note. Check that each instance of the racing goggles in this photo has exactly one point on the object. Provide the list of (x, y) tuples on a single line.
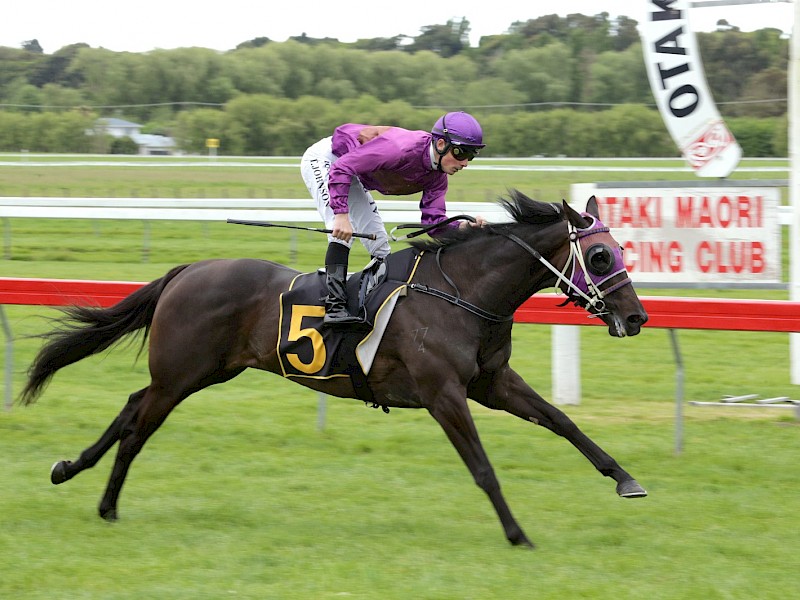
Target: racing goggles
[(464, 152)]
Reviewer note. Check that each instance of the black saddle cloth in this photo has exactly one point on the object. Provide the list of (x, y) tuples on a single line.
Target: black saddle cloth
[(307, 349)]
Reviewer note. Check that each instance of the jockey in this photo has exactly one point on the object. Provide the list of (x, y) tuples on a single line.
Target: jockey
[(340, 170)]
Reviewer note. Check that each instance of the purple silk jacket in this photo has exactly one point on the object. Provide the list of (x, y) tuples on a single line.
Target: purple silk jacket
[(394, 162)]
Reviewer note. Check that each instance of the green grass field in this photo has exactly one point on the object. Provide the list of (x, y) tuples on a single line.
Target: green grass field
[(240, 495)]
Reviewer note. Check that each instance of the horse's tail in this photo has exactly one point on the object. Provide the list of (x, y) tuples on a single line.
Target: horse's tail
[(85, 331)]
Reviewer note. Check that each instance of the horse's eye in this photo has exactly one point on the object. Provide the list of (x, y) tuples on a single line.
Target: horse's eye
[(599, 259)]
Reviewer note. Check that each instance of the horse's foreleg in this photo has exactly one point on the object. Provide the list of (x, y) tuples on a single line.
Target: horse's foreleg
[(65, 470), (456, 420), (506, 390)]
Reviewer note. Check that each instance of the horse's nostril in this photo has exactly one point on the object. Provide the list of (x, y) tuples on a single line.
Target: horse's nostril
[(637, 319)]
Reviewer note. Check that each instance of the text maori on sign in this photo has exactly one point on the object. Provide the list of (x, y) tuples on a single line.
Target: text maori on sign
[(695, 234)]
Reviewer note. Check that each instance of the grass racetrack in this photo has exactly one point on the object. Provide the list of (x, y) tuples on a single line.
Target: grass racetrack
[(240, 495)]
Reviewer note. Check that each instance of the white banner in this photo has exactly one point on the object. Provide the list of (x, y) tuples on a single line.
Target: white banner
[(693, 235), (681, 93)]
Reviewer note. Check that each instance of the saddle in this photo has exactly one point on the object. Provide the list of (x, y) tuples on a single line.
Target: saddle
[(306, 349)]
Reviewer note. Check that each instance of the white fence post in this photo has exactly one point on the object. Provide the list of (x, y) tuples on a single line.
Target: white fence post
[(566, 365)]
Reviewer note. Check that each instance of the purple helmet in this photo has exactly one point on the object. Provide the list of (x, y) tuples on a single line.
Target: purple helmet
[(459, 129)]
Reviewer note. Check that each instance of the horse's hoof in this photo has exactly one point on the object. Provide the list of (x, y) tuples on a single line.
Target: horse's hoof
[(630, 489), (58, 472), (526, 543), (109, 515), (521, 541)]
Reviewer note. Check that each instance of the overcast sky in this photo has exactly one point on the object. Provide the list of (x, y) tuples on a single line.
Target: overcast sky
[(223, 24)]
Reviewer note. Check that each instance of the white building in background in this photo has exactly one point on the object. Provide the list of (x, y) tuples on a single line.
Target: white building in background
[(148, 143)]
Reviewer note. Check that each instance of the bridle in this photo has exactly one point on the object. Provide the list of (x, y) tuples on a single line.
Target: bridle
[(584, 285)]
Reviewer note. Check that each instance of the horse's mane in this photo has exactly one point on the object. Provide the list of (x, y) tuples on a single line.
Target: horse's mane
[(522, 210)]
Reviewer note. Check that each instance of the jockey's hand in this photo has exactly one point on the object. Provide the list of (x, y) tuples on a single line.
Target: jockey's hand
[(342, 228), (479, 222)]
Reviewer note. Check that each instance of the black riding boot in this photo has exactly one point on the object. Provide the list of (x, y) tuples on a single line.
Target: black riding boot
[(336, 313)]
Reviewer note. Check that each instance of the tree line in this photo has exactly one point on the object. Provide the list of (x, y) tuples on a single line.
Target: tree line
[(572, 85)]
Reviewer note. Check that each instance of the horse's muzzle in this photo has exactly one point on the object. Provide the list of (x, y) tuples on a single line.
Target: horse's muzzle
[(627, 326), (633, 323)]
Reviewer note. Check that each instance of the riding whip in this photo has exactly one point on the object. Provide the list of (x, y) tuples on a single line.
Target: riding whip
[(369, 236)]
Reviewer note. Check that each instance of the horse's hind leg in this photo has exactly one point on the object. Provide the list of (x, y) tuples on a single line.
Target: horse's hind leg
[(153, 408), (65, 470), (506, 390), (134, 430)]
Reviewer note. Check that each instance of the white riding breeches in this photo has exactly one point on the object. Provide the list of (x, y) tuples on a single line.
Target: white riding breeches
[(315, 166)]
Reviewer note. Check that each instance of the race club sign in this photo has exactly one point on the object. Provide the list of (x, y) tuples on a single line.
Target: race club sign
[(694, 235), (678, 82)]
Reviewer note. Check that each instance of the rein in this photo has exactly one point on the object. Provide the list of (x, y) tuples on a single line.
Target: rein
[(426, 228), (456, 300), (468, 306), (591, 300), (475, 310)]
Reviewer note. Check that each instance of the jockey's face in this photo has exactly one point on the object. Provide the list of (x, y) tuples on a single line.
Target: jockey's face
[(450, 163)]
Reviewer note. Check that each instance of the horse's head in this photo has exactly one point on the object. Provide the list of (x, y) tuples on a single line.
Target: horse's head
[(598, 279)]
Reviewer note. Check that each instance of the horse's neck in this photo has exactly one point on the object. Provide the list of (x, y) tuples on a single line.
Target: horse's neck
[(499, 275)]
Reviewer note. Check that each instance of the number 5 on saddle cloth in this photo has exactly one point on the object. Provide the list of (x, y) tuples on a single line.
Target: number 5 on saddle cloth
[(306, 349)]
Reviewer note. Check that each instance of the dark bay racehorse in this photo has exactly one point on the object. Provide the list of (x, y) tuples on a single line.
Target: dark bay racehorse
[(209, 321)]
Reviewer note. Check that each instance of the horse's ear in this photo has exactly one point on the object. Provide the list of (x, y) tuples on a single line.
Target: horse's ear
[(574, 217), (592, 208)]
